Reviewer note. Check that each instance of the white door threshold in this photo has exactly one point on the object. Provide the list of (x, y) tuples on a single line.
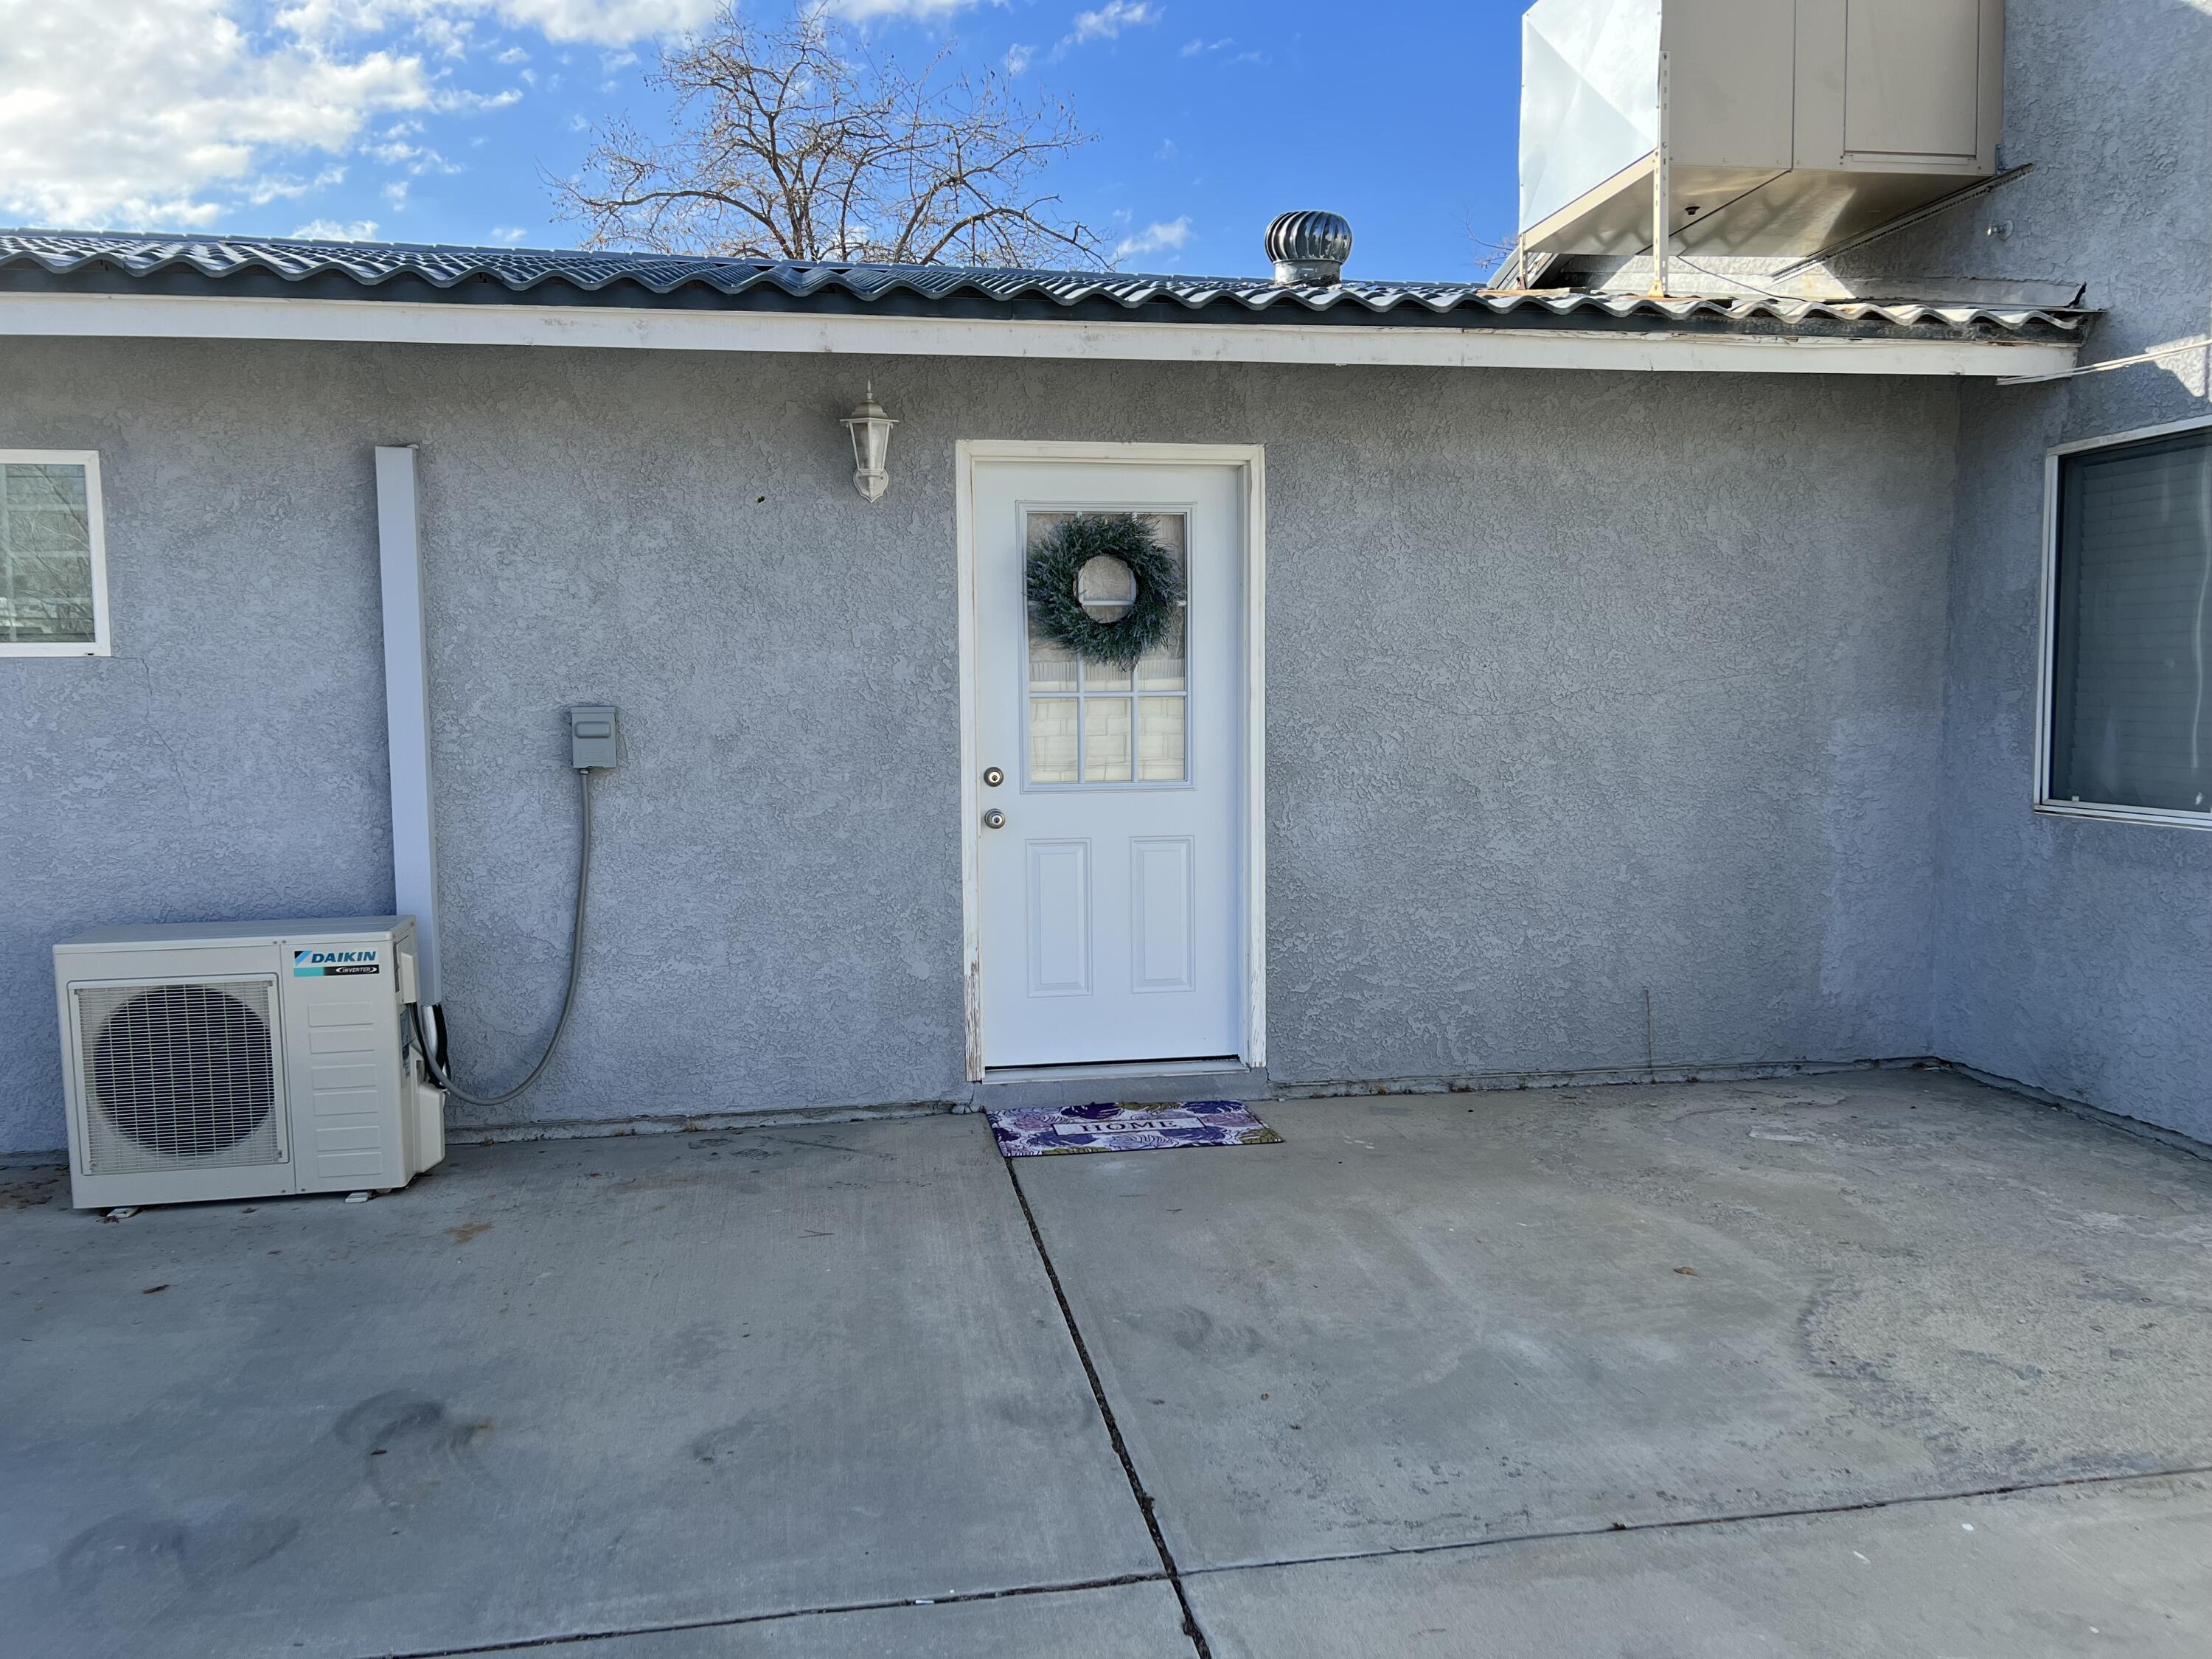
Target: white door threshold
[(1113, 1068), (1148, 1081)]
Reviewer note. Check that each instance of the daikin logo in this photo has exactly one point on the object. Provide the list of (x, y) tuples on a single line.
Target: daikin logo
[(318, 965)]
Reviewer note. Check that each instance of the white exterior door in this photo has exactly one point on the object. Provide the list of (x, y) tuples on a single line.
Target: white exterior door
[(1110, 901)]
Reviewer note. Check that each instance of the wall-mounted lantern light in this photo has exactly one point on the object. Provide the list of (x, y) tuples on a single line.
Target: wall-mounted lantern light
[(871, 444)]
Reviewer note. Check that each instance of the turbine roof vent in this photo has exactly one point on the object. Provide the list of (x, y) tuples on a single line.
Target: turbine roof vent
[(1309, 247)]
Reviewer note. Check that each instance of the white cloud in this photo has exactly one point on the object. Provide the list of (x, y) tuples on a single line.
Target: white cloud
[(508, 235), (1110, 20), (1162, 236), (1018, 58), (606, 23), (864, 11), (512, 55), (451, 102), (330, 230), (153, 112), (173, 112), (419, 159), (395, 194), (448, 35), (1107, 23), (283, 186)]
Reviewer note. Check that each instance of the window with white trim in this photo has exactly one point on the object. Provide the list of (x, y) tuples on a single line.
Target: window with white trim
[(2129, 717), (53, 582)]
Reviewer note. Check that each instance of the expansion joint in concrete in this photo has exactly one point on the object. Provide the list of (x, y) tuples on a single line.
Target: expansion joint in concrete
[(1694, 1523), (1173, 1576), (1145, 1501), (569, 1639)]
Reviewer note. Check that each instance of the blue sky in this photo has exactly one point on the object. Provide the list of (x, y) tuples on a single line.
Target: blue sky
[(434, 120)]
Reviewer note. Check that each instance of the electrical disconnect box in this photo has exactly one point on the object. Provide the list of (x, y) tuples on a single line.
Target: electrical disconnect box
[(594, 741)]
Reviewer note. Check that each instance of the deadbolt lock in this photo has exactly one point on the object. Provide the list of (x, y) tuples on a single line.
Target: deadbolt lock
[(995, 819), (994, 776)]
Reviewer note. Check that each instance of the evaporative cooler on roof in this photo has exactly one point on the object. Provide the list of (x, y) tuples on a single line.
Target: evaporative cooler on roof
[(1792, 125)]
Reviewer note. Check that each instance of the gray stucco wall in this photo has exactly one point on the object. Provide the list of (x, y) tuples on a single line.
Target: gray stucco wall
[(2076, 956), (1581, 686)]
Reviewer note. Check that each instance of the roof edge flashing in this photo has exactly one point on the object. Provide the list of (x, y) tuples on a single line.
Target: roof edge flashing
[(1616, 333)]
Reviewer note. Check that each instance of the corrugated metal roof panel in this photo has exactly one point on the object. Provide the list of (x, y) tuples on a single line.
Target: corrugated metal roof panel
[(656, 279)]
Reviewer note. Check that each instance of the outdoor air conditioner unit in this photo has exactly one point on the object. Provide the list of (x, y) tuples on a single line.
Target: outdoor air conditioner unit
[(227, 1061)]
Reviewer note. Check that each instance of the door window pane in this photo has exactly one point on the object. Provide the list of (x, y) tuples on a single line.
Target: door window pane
[(1161, 668), (1159, 740), (2131, 669), (46, 555), (1090, 731), (1052, 739), (1106, 740), (1052, 666)]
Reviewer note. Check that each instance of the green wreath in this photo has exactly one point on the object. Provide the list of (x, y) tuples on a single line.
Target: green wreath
[(1056, 563)]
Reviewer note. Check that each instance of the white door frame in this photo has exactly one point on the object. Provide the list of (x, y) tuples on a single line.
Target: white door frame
[(1252, 804)]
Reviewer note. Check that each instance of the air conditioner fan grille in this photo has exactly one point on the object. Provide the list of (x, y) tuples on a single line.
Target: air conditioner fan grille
[(178, 1075)]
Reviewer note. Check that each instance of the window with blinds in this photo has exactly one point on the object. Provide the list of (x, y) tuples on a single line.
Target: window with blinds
[(2131, 639), (52, 589)]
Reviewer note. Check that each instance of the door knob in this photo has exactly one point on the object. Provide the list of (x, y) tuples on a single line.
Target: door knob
[(994, 776), (995, 819)]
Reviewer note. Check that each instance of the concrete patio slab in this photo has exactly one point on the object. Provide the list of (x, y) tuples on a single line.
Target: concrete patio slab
[(1431, 1320), (1115, 1621), (2117, 1569), (759, 1393), (559, 1388)]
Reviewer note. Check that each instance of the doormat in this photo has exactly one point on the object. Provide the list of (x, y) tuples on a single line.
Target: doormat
[(1035, 1132)]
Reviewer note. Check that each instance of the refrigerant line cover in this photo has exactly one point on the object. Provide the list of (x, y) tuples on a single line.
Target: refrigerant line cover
[(407, 704)]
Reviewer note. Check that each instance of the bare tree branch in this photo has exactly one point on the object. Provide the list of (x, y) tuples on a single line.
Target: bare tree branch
[(791, 143)]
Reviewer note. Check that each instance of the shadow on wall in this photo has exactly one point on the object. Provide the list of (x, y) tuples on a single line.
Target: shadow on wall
[(2074, 956)]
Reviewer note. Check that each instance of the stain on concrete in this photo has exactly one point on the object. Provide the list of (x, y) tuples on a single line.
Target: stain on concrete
[(22, 1190), (137, 1548), (1045, 1414), (727, 1443), (410, 1445), (696, 1344), (1198, 1332)]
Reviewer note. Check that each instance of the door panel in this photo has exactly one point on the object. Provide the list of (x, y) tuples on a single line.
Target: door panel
[(1059, 918), (1109, 901), (1163, 920)]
